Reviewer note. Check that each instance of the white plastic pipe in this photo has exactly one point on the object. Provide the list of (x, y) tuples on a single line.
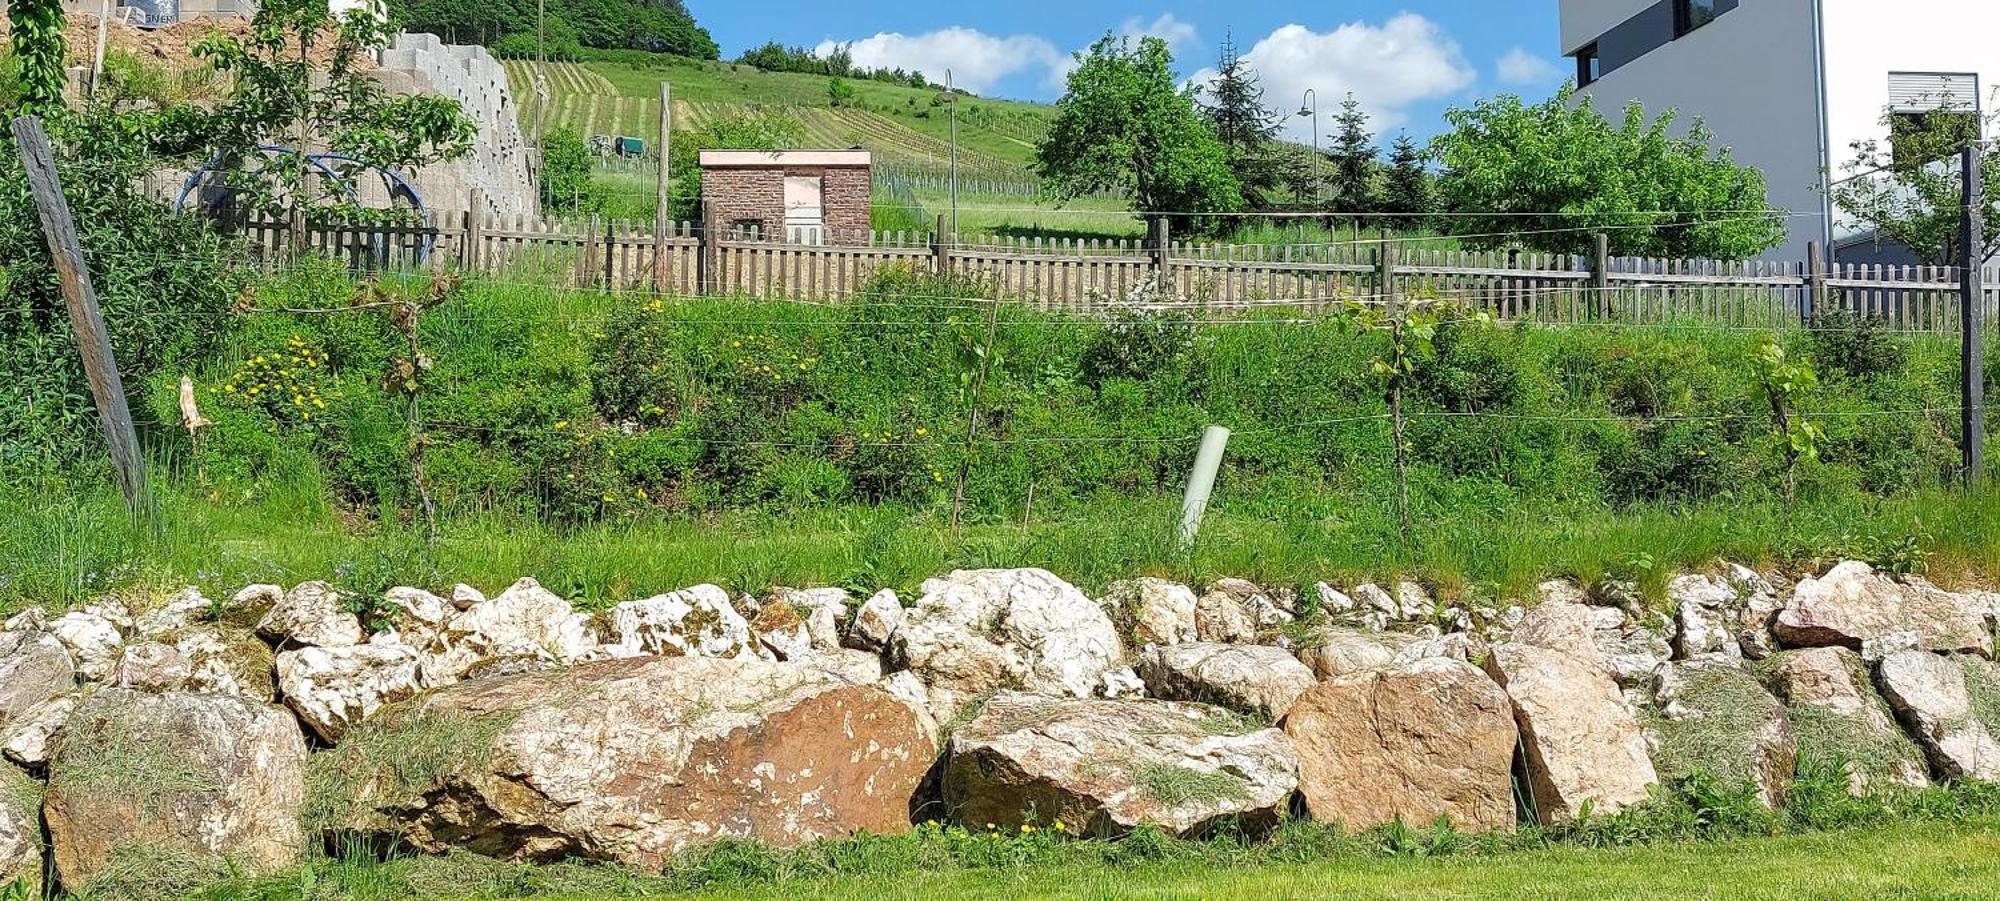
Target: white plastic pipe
[(1201, 483)]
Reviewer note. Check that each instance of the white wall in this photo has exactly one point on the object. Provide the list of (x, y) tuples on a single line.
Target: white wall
[(1868, 39), (1584, 21), (1751, 75)]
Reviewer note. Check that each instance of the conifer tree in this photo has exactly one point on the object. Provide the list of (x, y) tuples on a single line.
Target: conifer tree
[(1407, 190), (1233, 103), (1352, 182)]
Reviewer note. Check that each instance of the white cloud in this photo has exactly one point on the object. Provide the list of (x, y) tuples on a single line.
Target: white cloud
[(977, 60), (1389, 67), (1519, 67), (1180, 36)]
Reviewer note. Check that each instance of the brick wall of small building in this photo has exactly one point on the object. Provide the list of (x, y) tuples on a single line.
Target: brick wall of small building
[(740, 194)]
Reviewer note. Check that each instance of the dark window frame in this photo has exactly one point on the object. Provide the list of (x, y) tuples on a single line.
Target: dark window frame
[(1589, 65), (1684, 16)]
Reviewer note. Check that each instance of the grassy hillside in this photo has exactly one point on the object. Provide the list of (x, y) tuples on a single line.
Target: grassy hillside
[(908, 127)]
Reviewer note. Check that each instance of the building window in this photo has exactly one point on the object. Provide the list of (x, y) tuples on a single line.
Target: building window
[(1692, 14), (1589, 66), (1932, 115)]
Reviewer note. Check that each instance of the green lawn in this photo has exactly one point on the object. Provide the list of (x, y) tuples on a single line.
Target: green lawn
[(1905, 860)]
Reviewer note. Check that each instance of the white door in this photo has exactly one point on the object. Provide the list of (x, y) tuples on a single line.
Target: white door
[(805, 209)]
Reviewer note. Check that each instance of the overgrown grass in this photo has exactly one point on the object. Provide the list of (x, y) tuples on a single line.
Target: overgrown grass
[(1433, 860), (398, 753)]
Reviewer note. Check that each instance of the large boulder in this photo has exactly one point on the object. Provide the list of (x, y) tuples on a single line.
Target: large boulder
[(331, 689), (1839, 716), (1430, 739), (1718, 720), (312, 615), (875, 623), (1333, 651), (1726, 615), (633, 760), (979, 631), (35, 667), (226, 659), (1852, 605), (1630, 651), (208, 777), (696, 622), (1153, 611), (1582, 743), (20, 835), (1949, 705), (1105, 767), (1251, 679), (93, 641), (524, 623)]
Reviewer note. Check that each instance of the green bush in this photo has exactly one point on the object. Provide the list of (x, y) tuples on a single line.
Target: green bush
[(1858, 345)]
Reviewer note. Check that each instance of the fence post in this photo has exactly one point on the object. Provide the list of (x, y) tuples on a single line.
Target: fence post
[(1600, 278), (610, 254), (663, 193), (469, 255), (1815, 281), (708, 253), (1160, 235), (1385, 278), (86, 321), (1972, 316), (941, 249)]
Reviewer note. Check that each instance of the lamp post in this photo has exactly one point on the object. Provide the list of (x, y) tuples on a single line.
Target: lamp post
[(952, 92), (1310, 107)]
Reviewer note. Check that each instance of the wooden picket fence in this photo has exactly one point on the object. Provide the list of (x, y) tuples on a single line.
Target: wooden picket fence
[(1088, 275)]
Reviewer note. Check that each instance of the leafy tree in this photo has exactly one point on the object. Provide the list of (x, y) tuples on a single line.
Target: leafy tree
[(1125, 125), (1552, 174), (38, 45), (1355, 166), (1407, 190), (657, 26), (1910, 189), (278, 95), (566, 170), (1234, 107), (755, 130), (839, 93)]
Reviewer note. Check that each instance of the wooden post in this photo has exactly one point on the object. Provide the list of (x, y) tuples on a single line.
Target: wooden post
[(85, 320), (1385, 278), (708, 254), (1600, 278), (1815, 281), (1158, 236), (586, 265), (610, 254), (1972, 318), (941, 249), (470, 256), (663, 194)]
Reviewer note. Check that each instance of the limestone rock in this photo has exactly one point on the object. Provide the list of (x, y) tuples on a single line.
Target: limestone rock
[(331, 689), (93, 641), (1432, 739), (228, 660), (252, 603), (1266, 610), (1852, 604), (28, 738), (696, 622), (781, 634), (152, 666), (859, 667), (1603, 635), (1333, 651), (209, 775), (418, 611), (1934, 697), (635, 760), (466, 597), (1222, 619), (1104, 768), (1837, 713), (179, 612), (1153, 611), (312, 615), (823, 610), (1377, 608), (1249, 679), (978, 631), (877, 620), (1719, 720), (1582, 743), (35, 667), (20, 832)]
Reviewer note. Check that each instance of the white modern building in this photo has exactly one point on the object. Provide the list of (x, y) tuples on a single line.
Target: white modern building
[(1789, 85)]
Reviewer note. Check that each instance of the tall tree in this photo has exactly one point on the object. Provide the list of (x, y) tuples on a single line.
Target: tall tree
[(1908, 190), (1552, 175), (37, 27), (1355, 165), (1233, 103), (1407, 190), (1125, 125)]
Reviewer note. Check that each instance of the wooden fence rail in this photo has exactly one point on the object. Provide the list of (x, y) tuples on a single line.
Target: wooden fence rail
[(1087, 275)]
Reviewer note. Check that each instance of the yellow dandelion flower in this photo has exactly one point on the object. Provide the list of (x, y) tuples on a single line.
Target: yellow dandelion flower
[(562, 424)]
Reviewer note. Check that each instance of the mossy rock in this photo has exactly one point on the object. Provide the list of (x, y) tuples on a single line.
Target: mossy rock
[(1841, 719), (1718, 721)]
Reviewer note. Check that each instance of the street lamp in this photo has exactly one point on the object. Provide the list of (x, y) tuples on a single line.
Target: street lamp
[(1310, 107)]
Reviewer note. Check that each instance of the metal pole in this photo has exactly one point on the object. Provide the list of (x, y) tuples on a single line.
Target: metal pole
[(1312, 98), (1201, 483), (1972, 317), (952, 92)]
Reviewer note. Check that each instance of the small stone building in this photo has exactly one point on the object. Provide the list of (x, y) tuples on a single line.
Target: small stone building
[(799, 196)]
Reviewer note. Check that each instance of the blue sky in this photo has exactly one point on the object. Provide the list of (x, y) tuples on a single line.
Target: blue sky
[(1405, 61)]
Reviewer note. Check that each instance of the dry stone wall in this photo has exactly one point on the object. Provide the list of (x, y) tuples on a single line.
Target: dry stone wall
[(240, 730)]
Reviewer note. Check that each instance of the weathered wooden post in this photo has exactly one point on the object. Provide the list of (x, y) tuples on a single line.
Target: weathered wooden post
[(1600, 278), (86, 321), (1815, 282), (1972, 317), (941, 249), (663, 193)]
